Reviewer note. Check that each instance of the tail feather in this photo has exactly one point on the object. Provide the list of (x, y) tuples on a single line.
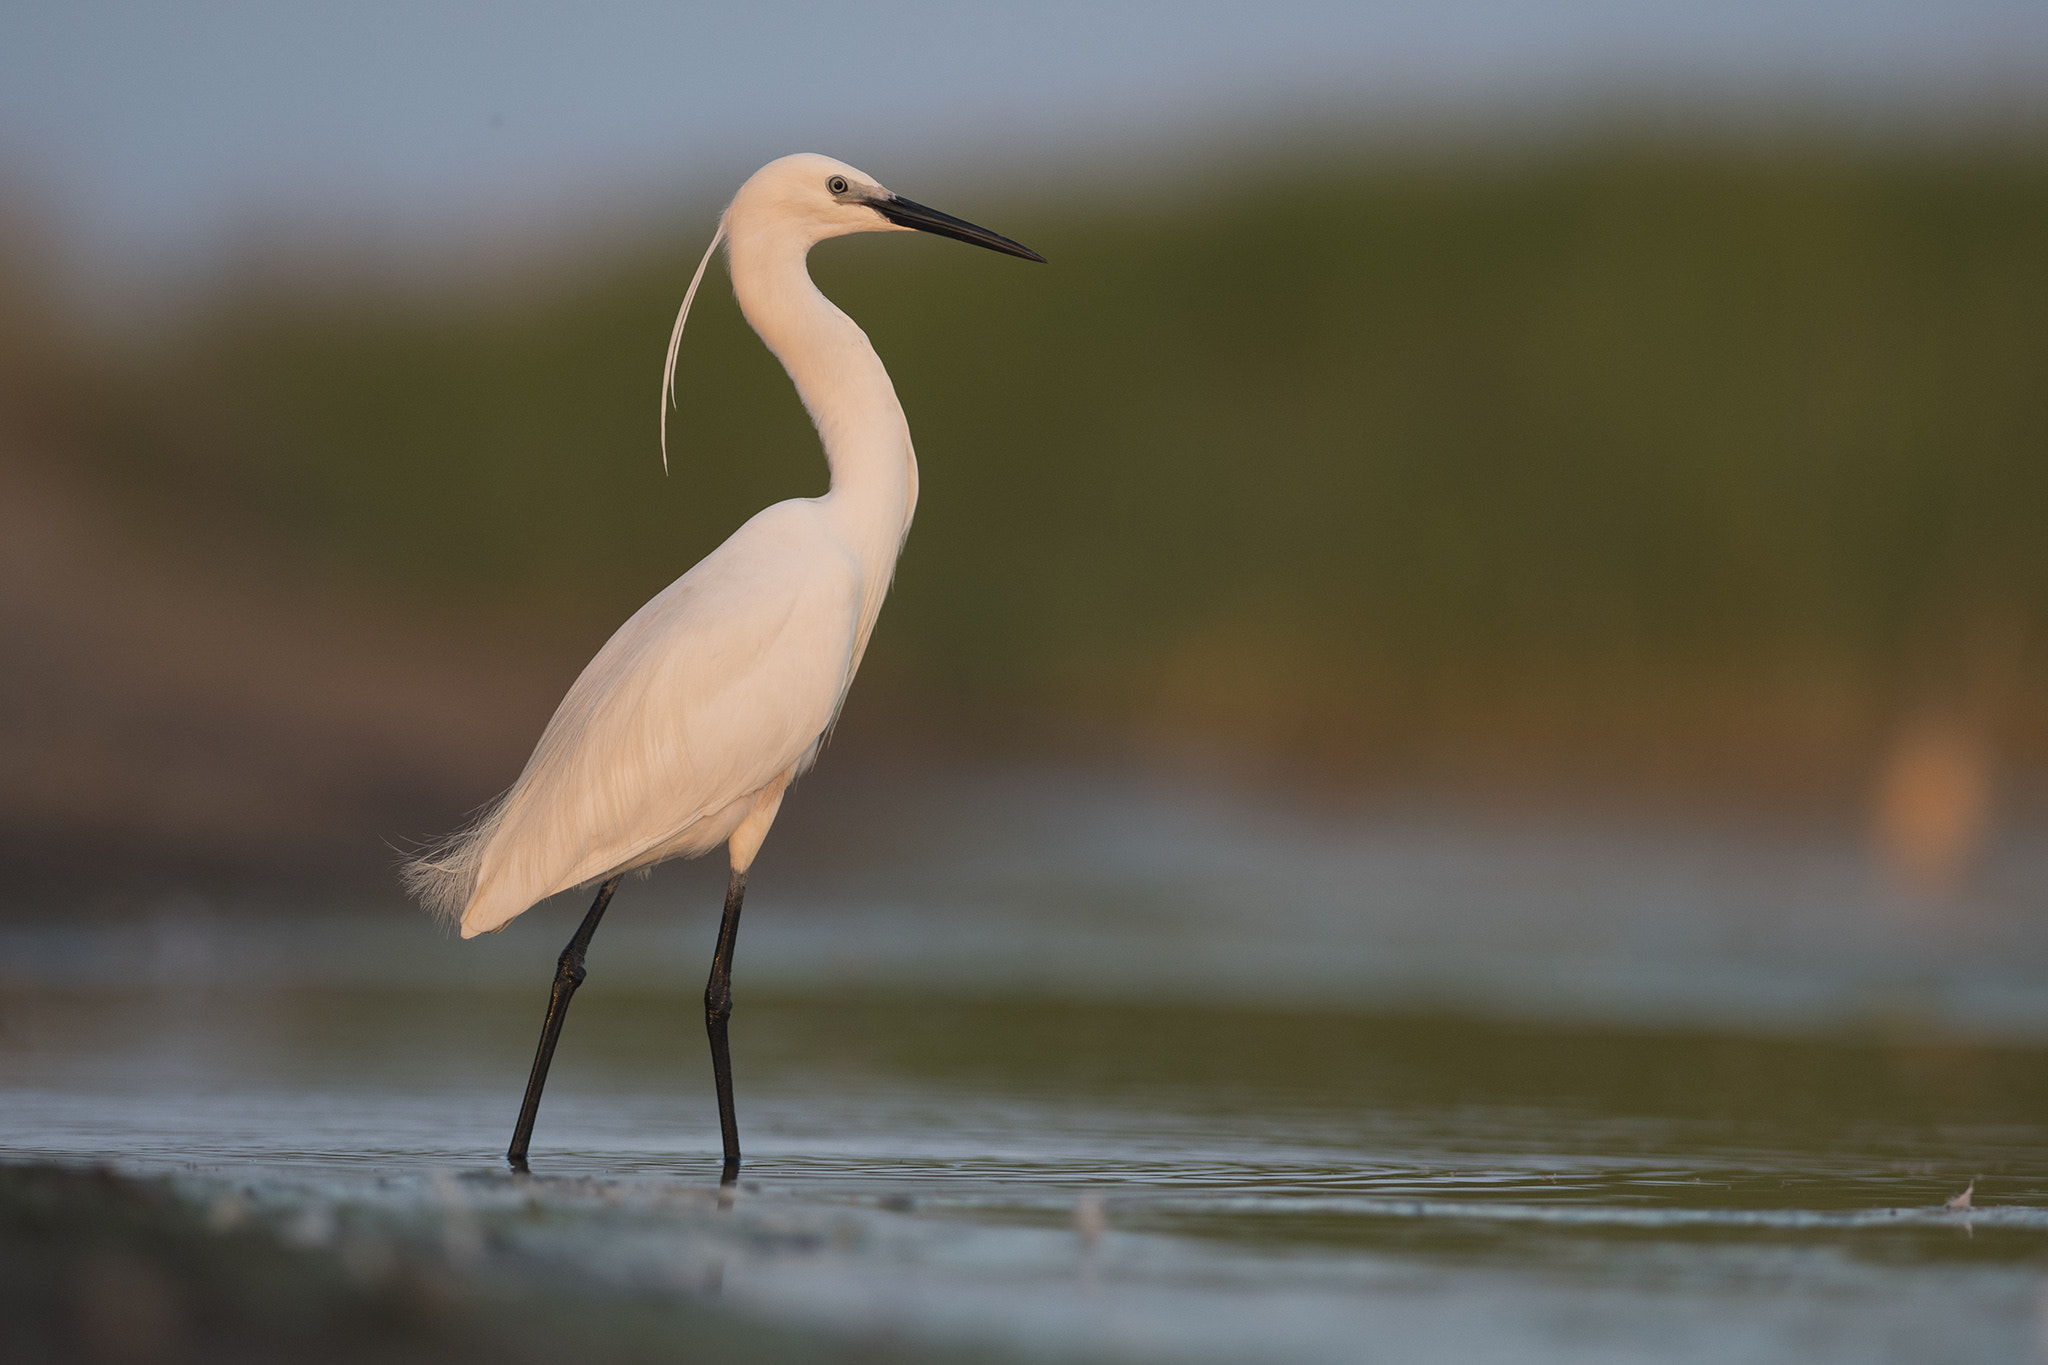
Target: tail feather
[(443, 878)]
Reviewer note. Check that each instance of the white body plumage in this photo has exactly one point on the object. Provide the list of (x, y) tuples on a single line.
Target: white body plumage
[(686, 729)]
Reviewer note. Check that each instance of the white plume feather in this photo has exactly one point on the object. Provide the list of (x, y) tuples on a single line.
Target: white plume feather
[(675, 339)]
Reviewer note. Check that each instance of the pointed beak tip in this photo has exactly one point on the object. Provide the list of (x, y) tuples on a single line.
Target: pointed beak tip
[(911, 214)]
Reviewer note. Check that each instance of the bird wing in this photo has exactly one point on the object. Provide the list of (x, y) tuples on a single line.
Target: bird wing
[(712, 691)]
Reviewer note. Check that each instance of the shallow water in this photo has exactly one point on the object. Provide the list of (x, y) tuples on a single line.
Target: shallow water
[(1214, 1086)]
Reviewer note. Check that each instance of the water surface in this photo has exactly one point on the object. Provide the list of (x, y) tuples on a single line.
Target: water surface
[(1208, 1086)]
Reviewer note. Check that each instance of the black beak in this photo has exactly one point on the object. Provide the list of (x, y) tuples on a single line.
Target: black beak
[(906, 213)]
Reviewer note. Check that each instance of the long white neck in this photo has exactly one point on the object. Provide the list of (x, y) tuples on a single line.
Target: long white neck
[(847, 392)]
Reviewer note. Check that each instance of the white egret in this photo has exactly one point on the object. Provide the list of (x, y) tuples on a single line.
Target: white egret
[(687, 728)]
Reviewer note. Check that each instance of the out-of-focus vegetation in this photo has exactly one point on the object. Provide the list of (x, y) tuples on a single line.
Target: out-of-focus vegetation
[(1715, 462)]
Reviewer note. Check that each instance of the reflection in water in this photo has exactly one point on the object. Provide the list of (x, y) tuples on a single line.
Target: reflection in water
[(1213, 1182), (1210, 1088)]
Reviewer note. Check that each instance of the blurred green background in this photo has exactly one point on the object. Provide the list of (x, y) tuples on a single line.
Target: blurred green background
[(1708, 465)]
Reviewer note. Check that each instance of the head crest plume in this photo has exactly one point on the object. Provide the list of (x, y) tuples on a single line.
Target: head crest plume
[(675, 340)]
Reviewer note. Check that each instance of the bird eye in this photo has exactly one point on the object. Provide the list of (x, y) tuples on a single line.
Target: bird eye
[(837, 184)]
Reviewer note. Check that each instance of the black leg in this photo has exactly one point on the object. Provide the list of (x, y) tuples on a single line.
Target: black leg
[(718, 1009), (568, 976)]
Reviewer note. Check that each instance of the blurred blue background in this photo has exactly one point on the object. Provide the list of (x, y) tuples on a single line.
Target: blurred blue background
[(155, 133)]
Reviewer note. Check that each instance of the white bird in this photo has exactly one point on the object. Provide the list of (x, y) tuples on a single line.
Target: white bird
[(686, 730)]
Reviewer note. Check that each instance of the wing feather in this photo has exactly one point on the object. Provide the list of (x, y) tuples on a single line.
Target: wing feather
[(709, 693)]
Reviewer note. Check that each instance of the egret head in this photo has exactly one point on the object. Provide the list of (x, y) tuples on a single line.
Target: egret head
[(817, 197), (796, 202)]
